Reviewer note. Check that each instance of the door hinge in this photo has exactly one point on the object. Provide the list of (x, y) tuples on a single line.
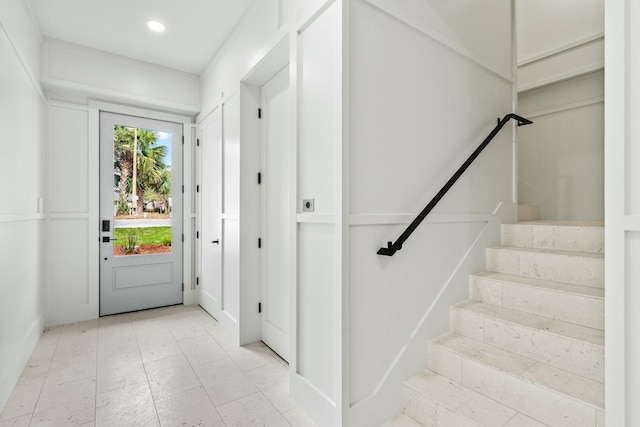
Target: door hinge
[(197, 281), (259, 178), (259, 113), (182, 139), (183, 188), (183, 238), (198, 142), (197, 234), (197, 188), (259, 307), (259, 242), (183, 286)]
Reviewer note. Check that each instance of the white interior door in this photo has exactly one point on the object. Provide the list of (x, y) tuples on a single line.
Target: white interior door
[(275, 202), (211, 298), (140, 213)]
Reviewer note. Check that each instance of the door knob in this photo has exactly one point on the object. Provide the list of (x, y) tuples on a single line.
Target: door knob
[(107, 239), (217, 241)]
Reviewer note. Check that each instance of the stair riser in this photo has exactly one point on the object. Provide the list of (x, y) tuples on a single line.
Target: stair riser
[(578, 309), (560, 238), (419, 407), (574, 269), (527, 213), (537, 402), (575, 356), (429, 413)]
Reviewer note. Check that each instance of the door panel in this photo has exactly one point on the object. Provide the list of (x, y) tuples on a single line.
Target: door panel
[(210, 215), (140, 214), (275, 195)]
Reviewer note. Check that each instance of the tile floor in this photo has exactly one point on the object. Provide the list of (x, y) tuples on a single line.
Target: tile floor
[(172, 366)]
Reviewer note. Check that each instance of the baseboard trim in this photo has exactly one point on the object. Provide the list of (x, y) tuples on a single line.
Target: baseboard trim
[(22, 356)]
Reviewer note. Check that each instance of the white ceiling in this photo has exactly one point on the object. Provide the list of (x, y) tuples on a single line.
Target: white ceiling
[(196, 29)]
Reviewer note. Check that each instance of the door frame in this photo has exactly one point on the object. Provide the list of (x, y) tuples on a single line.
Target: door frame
[(95, 107), (265, 200), (150, 295), (278, 57)]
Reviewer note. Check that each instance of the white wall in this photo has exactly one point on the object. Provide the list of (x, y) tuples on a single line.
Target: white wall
[(622, 209), (88, 72), (561, 156), (75, 77), (319, 377), (372, 148), (560, 81), (72, 209), (426, 80), (558, 40), (22, 287), (264, 26)]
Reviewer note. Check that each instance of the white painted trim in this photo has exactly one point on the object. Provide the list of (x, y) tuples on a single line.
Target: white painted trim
[(206, 116), (230, 38), (93, 91), (390, 219), (390, 382), (560, 49), (21, 217), (67, 216), (631, 222), (343, 244), (140, 112), (207, 112), (312, 15), (294, 69), (230, 216), (313, 218), (309, 396), (68, 105), (424, 317), (34, 21), (618, 45), (514, 98), (207, 302), (447, 43), (572, 106), (28, 344), (558, 78), (25, 67)]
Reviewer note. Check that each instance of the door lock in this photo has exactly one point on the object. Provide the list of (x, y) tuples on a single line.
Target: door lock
[(107, 239)]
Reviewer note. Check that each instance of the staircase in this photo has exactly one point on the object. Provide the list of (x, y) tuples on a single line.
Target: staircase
[(527, 348)]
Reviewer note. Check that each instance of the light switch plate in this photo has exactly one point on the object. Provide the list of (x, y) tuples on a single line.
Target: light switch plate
[(308, 205)]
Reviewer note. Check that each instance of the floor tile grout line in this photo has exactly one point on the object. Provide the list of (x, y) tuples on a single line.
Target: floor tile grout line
[(199, 382), (144, 367), (33, 413), (267, 356)]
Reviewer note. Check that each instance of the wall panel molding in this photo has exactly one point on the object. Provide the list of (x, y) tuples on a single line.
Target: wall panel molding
[(444, 41), (30, 74), (560, 49)]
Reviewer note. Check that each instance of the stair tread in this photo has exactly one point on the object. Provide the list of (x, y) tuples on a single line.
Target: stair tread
[(532, 371), (550, 252), (461, 400), (556, 223), (553, 326), (568, 288), (403, 421)]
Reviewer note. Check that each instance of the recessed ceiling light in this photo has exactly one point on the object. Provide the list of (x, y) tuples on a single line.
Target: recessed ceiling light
[(156, 26)]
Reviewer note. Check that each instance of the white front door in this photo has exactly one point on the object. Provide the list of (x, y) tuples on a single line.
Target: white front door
[(275, 212), (210, 285), (140, 213)]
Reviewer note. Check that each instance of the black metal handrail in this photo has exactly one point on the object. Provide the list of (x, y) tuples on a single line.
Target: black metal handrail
[(393, 247)]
